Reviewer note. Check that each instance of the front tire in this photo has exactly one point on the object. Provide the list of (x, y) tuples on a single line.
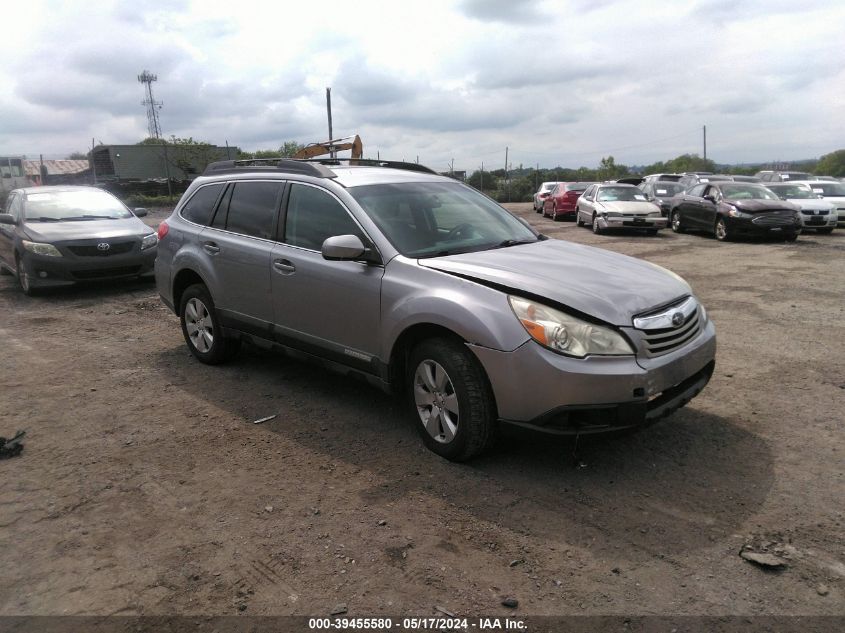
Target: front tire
[(201, 327), (578, 220), (677, 225), (24, 278), (596, 228), (721, 231), (450, 399)]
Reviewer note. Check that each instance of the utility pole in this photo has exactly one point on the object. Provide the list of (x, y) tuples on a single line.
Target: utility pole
[(705, 142), (507, 180), (93, 165), (329, 110)]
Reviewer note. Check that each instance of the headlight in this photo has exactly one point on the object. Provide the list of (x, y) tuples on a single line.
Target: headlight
[(41, 249), (149, 241), (736, 213), (566, 334), (655, 214)]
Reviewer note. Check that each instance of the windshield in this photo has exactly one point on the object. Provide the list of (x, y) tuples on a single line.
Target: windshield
[(828, 188), (623, 194), (665, 189), (430, 219), (794, 192), (747, 192), (73, 205)]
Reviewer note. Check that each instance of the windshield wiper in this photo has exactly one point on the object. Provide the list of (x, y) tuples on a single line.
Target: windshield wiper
[(92, 217), (44, 219), (507, 243)]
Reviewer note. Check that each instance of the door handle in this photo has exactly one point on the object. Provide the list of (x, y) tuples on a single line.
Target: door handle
[(284, 266), (211, 248)]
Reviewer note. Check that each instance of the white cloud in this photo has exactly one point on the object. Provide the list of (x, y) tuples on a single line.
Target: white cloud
[(557, 83)]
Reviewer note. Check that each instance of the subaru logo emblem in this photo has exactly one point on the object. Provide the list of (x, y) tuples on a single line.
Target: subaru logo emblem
[(103, 246), (678, 319)]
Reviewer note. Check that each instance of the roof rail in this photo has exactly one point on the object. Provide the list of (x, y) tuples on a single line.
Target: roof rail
[(370, 162), (288, 165)]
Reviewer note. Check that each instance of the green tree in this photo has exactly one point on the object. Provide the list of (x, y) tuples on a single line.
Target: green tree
[(290, 148), (832, 164), (77, 156)]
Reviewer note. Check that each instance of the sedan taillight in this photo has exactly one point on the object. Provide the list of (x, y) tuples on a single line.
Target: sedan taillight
[(162, 229)]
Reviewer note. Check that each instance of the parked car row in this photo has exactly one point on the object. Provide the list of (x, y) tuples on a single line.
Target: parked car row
[(725, 205)]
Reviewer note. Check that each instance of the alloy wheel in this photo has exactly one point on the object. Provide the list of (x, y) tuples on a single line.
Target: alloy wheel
[(199, 325), (436, 401)]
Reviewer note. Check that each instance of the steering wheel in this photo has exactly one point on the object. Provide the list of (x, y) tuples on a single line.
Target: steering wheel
[(462, 229)]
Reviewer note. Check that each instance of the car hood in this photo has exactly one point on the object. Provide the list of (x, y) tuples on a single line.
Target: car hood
[(809, 204), (600, 283), (629, 207), (86, 229), (755, 206)]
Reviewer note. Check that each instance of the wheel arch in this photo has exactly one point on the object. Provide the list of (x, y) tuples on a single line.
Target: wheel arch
[(182, 280)]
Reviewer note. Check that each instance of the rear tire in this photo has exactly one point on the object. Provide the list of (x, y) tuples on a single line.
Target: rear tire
[(578, 220), (450, 400), (721, 231), (201, 327)]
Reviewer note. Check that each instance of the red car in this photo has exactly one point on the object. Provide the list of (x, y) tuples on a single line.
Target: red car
[(562, 199)]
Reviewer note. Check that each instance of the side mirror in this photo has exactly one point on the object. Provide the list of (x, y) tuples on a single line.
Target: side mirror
[(139, 212), (6, 218), (343, 248), (709, 198)]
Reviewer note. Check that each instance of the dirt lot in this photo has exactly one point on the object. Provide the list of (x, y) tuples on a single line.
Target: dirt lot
[(145, 488)]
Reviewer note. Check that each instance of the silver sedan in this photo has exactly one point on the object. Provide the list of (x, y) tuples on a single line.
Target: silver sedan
[(618, 206)]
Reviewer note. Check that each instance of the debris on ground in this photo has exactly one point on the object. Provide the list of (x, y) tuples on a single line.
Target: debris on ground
[(516, 562), (445, 612), (12, 447), (338, 609), (268, 508), (822, 589), (510, 603), (382, 522), (763, 559), (267, 419)]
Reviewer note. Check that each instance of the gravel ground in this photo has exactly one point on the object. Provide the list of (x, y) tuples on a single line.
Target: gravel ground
[(144, 487)]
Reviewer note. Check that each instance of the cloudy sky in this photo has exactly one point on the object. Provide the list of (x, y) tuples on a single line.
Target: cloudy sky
[(559, 83)]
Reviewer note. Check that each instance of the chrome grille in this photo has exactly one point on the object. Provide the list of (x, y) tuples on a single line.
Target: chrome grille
[(659, 336), (774, 218)]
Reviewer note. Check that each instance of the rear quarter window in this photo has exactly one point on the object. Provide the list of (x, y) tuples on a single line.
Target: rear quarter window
[(201, 205)]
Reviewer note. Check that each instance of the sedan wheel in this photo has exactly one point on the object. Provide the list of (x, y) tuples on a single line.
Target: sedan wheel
[(450, 399), (722, 230), (199, 324), (677, 227), (596, 228), (24, 280), (578, 220)]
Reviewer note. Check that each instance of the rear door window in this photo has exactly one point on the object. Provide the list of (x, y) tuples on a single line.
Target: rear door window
[(253, 207), (201, 205)]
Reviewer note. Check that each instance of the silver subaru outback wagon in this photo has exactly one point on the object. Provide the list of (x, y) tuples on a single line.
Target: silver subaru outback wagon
[(429, 289)]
